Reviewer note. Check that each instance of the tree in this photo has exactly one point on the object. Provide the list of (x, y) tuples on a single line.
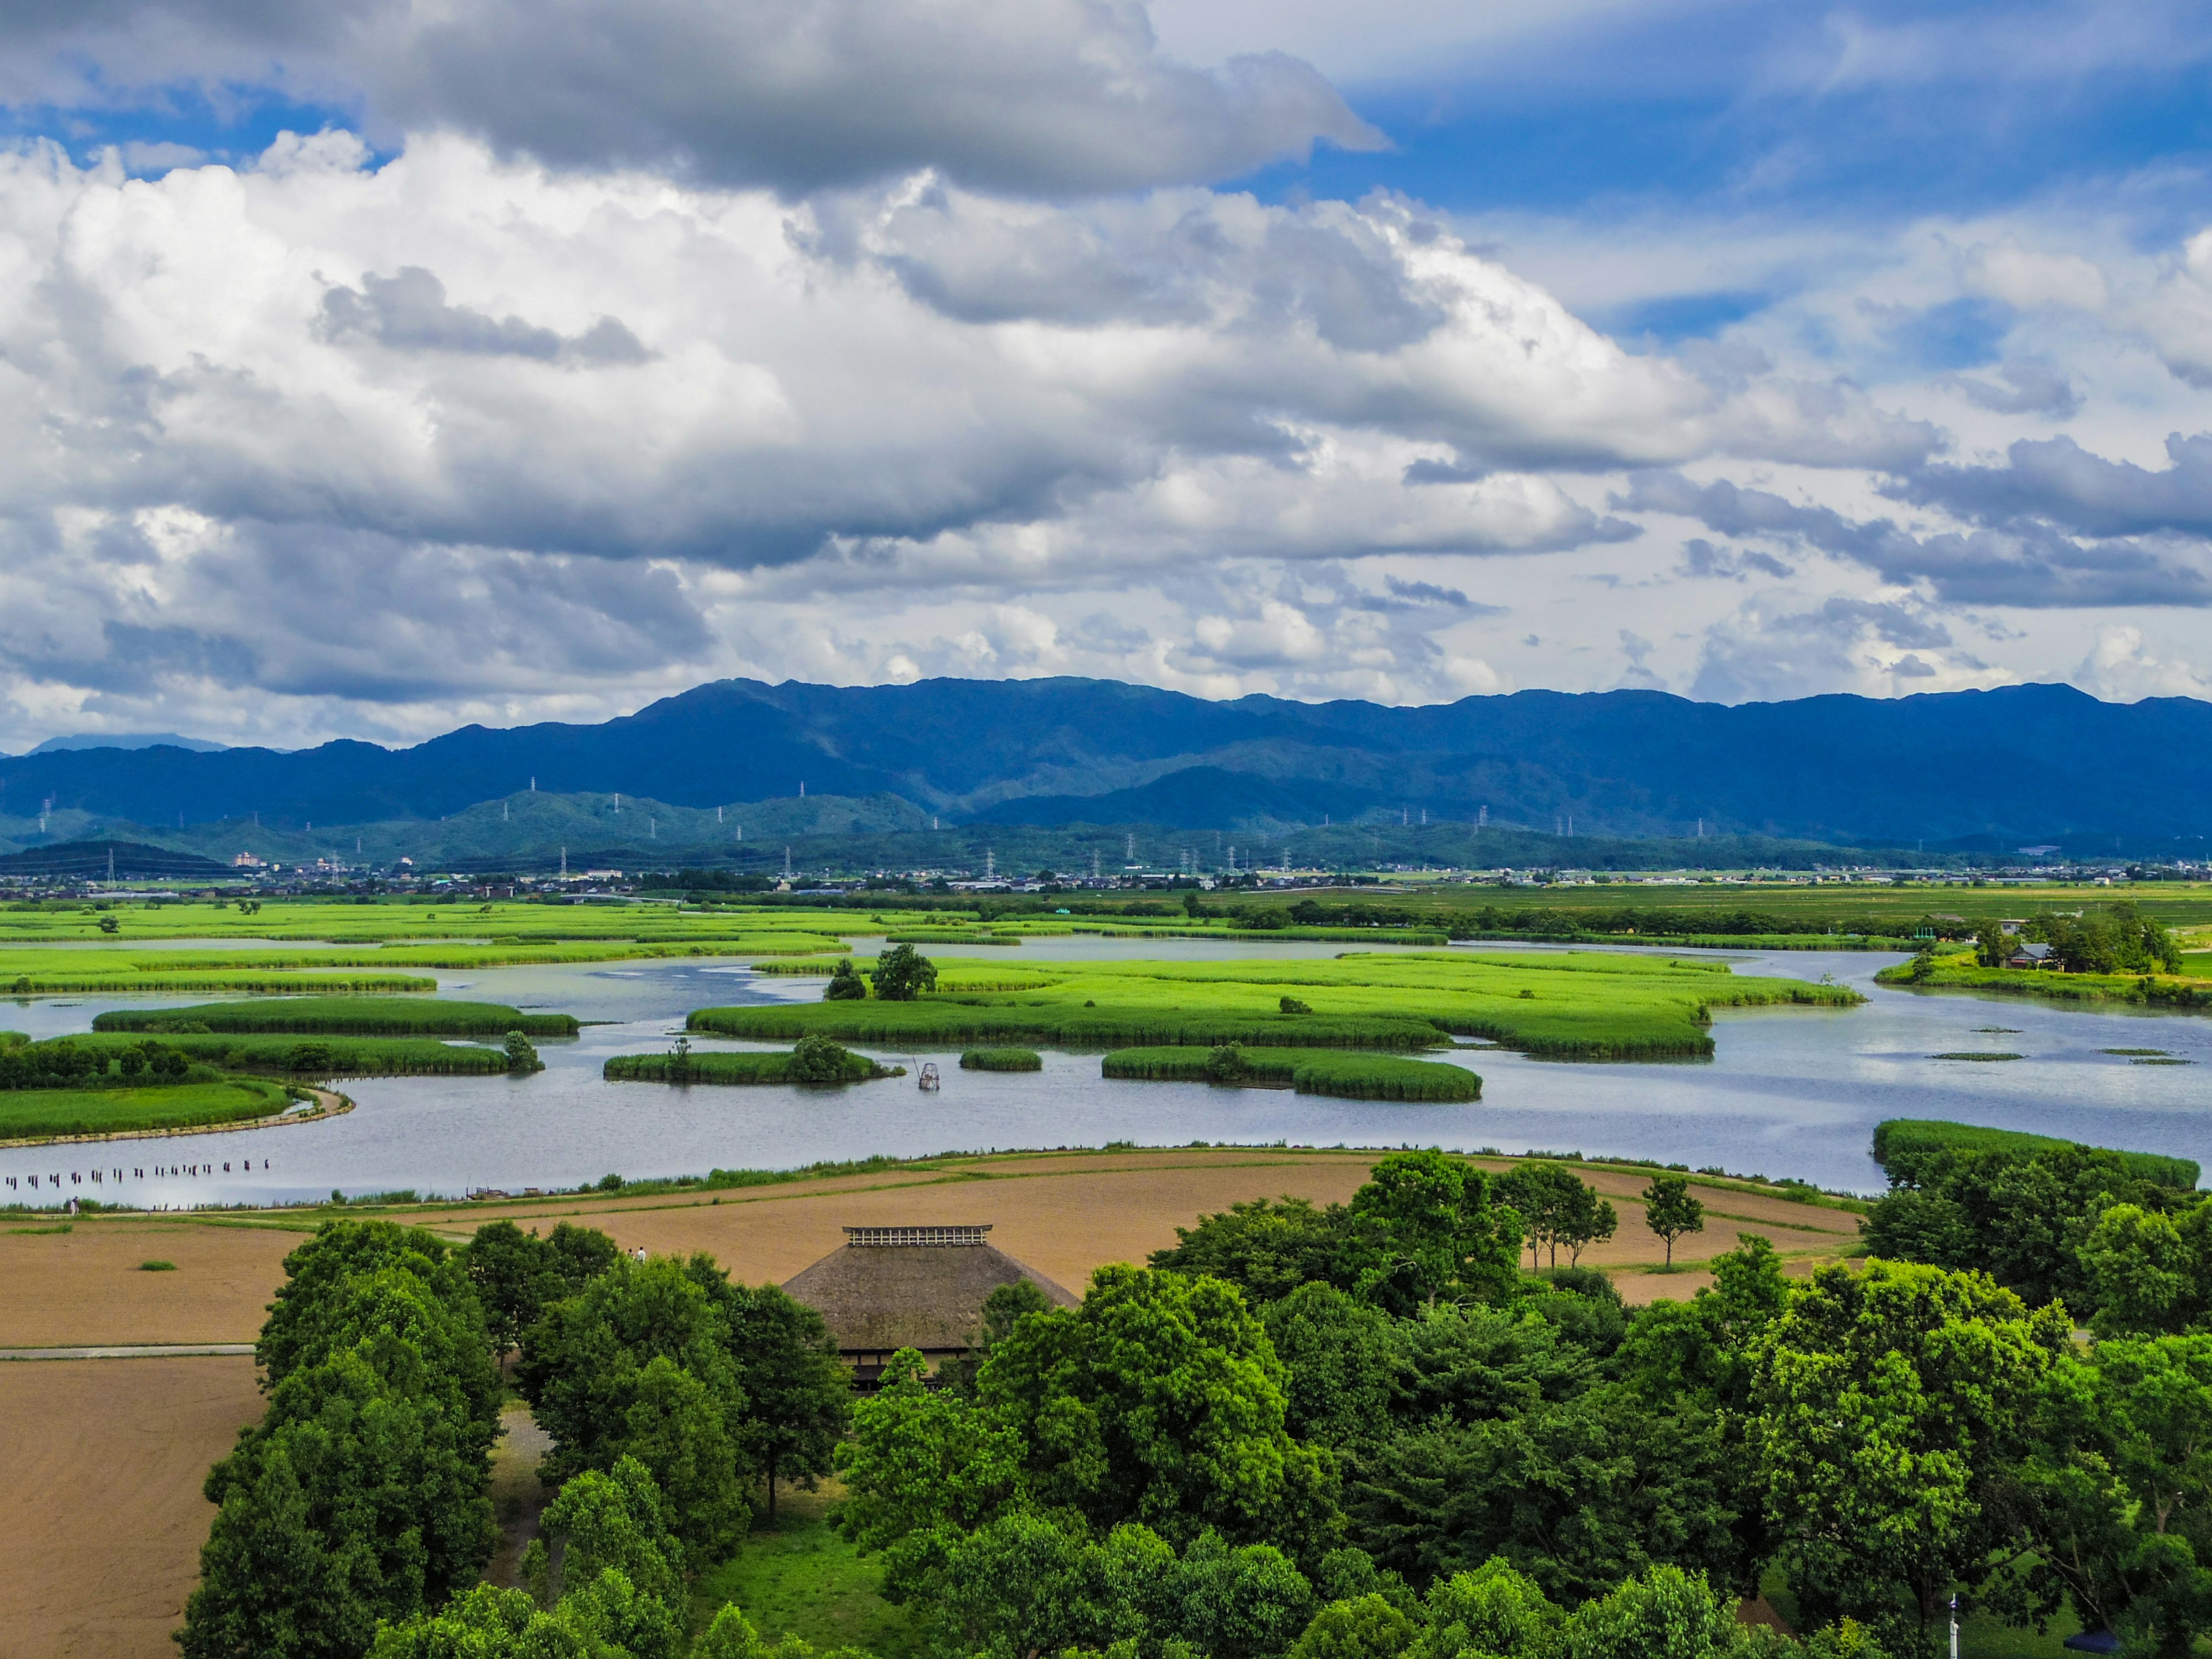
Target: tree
[(2151, 1272), (798, 1391), (1671, 1211), (1491, 1610), (638, 1364), (1160, 1400), (580, 1255), (1367, 1628), (817, 1059), (605, 1555), (902, 973), (922, 1468), (1665, 1613), (1424, 1226), (1343, 1372), (522, 1054), (515, 1276), (846, 984), (1590, 1220), (2120, 1491), (1894, 1407), (1267, 1250), (1547, 1197)]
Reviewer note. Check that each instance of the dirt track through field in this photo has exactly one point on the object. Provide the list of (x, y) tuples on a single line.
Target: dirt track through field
[(101, 1518)]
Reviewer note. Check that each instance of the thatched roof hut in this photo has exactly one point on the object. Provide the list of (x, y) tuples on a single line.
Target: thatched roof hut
[(910, 1287)]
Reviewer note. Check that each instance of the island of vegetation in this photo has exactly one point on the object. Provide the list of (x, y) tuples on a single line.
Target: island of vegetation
[(814, 1060), (1563, 1006), (1001, 1060), (347, 1015), (1348, 1075)]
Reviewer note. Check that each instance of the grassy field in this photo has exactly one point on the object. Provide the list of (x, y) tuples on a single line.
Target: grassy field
[(342, 1016), (1564, 1005), (1309, 1070), (798, 1578), (724, 1067), (30, 1114)]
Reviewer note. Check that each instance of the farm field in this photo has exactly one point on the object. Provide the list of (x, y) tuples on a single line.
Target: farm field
[(1567, 1004), (102, 1507)]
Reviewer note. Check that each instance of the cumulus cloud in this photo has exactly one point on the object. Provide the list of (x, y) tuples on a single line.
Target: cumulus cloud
[(408, 312), (1042, 96)]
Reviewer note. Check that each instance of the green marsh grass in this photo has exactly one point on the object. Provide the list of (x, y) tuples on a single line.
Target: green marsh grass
[(1309, 1070), (37, 1113), (724, 1067), (1002, 1060), (345, 1016), (1904, 1140), (1567, 1004), (280, 1053)]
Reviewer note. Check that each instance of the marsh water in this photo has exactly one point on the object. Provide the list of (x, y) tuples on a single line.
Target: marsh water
[(1789, 1091)]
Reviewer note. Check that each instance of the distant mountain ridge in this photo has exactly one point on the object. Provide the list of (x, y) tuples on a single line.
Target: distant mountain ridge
[(2018, 763)]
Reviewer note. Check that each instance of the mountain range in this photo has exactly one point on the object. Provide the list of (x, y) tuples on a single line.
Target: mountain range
[(2018, 763)]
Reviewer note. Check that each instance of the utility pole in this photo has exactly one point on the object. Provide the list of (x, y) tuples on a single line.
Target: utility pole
[(1132, 849), (1094, 864), (787, 860)]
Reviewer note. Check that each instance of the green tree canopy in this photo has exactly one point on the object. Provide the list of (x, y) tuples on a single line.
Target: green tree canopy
[(1160, 1400), (1894, 1405), (902, 973), (1671, 1211)]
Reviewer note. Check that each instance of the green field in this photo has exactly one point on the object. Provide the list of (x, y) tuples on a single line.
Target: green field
[(27, 1113), (1309, 1070), (1561, 1006), (348, 1016), (726, 1068)]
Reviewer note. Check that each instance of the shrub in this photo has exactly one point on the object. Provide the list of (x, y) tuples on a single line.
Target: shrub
[(1292, 1006)]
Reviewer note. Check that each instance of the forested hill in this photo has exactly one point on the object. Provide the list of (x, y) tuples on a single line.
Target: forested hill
[(2019, 763)]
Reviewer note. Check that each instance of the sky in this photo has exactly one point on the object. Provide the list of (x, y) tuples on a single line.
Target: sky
[(375, 367)]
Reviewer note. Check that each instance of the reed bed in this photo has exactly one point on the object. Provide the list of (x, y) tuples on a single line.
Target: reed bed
[(723, 1068), (1001, 1060), (1309, 1070), (345, 1016)]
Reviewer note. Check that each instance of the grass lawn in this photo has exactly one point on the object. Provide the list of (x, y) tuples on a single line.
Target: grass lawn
[(1566, 1005), (800, 1579), (25, 1112)]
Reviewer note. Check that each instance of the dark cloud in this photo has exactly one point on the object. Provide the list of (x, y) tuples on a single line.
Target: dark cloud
[(1701, 558), (2024, 564), (408, 312), (2056, 481)]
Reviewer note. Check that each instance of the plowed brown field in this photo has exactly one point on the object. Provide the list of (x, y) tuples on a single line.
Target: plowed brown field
[(100, 1512)]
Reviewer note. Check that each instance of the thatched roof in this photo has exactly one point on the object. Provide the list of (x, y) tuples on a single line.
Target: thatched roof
[(881, 1291)]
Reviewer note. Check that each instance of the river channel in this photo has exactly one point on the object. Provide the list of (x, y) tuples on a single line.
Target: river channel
[(1790, 1091)]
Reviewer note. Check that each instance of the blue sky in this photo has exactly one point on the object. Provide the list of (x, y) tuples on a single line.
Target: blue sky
[(1736, 349)]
